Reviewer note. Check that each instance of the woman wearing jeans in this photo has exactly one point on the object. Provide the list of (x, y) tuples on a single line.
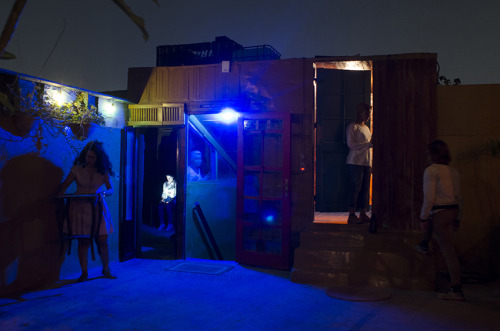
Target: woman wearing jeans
[(359, 164)]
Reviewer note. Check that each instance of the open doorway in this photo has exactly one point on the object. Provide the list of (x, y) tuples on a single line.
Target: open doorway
[(339, 87), (158, 147)]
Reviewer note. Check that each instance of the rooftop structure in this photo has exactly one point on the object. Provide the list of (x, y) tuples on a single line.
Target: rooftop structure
[(222, 49)]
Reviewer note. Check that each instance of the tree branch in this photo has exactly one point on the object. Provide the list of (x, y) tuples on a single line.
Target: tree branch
[(139, 21), (10, 26)]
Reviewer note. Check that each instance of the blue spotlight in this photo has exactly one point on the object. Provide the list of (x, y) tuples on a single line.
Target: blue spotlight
[(269, 215), (228, 115), (269, 218)]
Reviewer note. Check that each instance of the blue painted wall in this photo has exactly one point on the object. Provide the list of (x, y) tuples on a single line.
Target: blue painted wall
[(31, 169), (217, 199)]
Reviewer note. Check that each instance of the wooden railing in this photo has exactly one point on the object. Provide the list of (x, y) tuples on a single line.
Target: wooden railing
[(164, 114)]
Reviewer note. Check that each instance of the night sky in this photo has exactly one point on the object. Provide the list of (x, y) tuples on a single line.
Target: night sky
[(98, 42)]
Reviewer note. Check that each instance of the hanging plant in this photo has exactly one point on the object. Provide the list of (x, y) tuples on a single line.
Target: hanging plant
[(79, 116), (24, 108), (24, 102), (80, 112)]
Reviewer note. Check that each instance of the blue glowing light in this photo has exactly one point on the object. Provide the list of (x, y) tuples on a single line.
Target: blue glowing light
[(269, 218), (228, 115)]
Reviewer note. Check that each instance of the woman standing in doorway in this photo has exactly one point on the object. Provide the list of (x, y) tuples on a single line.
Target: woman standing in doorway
[(91, 170), (359, 164)]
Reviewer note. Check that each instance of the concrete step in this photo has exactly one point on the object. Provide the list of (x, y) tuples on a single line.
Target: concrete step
[(408, 263), (347, 254), (358, 228), (342, 278), (357, 238)]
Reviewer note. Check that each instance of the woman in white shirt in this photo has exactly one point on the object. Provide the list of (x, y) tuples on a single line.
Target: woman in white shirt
[(440, 212), (359, 164)]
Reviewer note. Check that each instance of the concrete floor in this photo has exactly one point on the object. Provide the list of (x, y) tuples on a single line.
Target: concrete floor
[(148, 296)]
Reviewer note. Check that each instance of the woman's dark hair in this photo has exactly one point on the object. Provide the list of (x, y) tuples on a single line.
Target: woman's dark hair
[(102, 163), (439, 152)]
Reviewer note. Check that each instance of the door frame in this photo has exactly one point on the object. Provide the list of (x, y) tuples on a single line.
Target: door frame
[(127, 231), (129, 240), (319, 182)]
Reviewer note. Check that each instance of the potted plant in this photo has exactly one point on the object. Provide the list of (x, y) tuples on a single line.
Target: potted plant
[(25, 108), (24, 105)]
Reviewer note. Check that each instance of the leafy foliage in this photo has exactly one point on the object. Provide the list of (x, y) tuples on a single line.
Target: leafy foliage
[(442, 80), (35, 102), (79, 111)]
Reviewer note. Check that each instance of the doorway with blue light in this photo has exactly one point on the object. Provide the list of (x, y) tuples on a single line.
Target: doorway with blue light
[(237, 188), (210, 210), (149, 154), (339, 87), (233, 201)]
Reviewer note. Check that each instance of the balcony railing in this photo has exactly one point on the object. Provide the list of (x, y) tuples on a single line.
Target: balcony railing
[(164, 114)]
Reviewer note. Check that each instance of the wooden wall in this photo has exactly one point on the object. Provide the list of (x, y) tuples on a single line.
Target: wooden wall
[(284, 86), (404, 97), (404, 89), (467, 121)]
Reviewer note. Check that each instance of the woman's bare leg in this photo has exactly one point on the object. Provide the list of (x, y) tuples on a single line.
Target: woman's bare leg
[(83, 255), (102, 242)]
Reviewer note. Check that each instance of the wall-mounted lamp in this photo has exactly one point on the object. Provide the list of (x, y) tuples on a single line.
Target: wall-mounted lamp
[(228, 115), (59, 97)]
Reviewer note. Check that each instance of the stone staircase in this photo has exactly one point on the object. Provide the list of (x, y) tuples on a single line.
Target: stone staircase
[(345, 254)]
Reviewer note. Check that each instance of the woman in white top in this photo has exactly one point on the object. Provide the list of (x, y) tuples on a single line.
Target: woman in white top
[(440, 212), (359, 163)]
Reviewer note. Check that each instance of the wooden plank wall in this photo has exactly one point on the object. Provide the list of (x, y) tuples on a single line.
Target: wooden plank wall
[(287, 84), (404, 89), (183, 84), (404, 123)]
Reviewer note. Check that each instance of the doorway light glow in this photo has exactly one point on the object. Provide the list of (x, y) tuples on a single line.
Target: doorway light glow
[(345, 65), (354, 65), (228, 115)]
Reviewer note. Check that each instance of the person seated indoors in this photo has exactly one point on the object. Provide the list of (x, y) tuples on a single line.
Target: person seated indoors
[(194, 167), (167, 202)]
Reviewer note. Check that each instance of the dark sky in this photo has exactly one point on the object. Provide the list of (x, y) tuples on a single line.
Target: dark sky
[(99, 43)]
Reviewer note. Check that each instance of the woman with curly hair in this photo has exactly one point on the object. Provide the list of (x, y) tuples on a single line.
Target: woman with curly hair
[(91, 171)]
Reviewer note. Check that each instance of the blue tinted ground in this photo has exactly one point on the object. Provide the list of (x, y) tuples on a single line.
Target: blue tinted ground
[(149, 296)]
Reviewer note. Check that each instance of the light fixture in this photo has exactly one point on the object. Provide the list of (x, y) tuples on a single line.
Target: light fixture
[(59, 97), (107, 107), (228, 115)]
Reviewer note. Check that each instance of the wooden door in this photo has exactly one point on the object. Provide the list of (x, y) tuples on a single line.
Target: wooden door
[(338, 93), (263, 191)]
